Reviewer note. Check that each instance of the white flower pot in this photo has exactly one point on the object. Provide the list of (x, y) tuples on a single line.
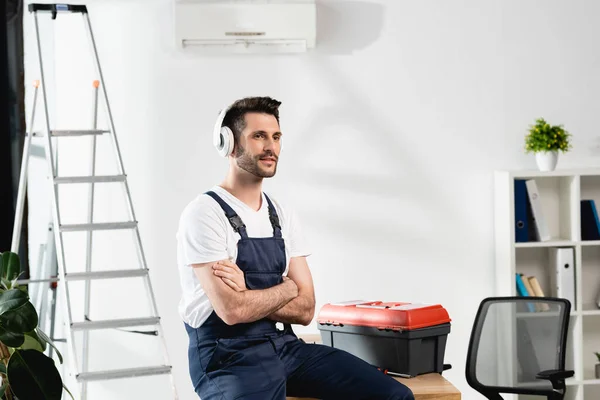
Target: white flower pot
[(546, 160)]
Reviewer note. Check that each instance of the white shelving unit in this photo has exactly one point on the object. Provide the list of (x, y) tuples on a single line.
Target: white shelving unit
[(560, 194)]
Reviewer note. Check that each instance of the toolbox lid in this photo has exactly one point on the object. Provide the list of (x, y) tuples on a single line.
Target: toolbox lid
[(398, 316)]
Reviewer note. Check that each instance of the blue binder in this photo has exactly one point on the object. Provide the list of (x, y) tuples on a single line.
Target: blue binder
[(590, 225), (521, 211)]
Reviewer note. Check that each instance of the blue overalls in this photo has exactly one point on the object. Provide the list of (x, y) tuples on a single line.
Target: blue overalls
[(257, 361)]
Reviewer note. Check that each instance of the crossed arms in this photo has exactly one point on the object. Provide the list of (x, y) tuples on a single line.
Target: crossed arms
[(292, 301)]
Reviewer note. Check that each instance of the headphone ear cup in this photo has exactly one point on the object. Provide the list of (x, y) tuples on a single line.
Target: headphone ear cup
[(227, 141)]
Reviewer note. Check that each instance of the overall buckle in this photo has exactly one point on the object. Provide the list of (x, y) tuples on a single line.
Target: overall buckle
[(236, 222)]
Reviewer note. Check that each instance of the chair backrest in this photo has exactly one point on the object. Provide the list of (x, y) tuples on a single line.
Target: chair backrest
[(515, 338)]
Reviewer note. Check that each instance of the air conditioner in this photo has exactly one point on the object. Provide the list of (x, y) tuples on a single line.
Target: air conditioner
[(250, 26)]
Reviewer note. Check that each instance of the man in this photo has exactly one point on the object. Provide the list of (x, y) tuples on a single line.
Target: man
[(243, 268)]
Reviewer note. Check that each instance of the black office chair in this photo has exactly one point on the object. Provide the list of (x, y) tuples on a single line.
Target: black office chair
[(518, 345)]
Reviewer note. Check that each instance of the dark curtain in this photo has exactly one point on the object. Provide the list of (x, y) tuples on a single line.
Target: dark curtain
[(12, 120)]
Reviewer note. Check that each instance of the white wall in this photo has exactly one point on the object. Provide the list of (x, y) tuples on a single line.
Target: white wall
[(393, 126)]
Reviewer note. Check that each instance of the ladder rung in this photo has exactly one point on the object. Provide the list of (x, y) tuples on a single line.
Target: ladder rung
[(73, 132), (98, 226), (115, 323), (82, 276), (123, 373), (127, 273), (29, 281), (90, 179)]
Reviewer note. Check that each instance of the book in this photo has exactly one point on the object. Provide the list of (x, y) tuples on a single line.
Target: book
[(523, 291), (538, 292)]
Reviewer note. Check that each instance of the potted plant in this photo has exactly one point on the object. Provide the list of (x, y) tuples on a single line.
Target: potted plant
[(26, 372), (546, 141), (598, 365)]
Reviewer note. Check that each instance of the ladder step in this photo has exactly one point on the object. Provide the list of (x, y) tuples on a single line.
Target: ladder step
[(82, 276), (127, 273), (123, 373), (114, 323), (73, 132), (90, 179), (98, 226)]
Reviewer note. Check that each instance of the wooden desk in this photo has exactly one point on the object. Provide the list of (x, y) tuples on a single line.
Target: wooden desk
[(431, 387), (425, 387)]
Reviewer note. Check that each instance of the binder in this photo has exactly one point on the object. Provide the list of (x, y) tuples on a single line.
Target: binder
[(562, 275), (590, 226), (543, 234), (521, 212)]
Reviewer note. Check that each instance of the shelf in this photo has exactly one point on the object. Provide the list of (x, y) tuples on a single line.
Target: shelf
[(559, 243), (560, 196), (524, 174), (590, 309), (589, 242), (549, 243)]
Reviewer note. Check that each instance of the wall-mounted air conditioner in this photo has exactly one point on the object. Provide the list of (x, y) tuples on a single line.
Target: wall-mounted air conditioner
[(246, 26)]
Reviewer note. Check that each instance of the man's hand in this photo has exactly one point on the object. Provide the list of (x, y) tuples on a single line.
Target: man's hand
[(294, 291), (231, 274), (302, 308)]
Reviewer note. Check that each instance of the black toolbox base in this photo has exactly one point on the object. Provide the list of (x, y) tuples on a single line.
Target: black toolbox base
[(408, 353)]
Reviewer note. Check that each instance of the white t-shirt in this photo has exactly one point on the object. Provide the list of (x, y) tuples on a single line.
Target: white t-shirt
[(205, 235)]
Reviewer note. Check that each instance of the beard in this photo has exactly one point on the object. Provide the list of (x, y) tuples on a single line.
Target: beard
[(251, 164)]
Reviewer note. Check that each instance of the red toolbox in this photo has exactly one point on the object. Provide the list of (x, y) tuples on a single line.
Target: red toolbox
[(403, 338)]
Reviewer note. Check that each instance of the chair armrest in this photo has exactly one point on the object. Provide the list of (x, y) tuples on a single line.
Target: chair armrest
[(555, 374)]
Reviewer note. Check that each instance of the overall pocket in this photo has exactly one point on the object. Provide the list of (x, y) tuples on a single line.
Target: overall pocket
[(262, 280)]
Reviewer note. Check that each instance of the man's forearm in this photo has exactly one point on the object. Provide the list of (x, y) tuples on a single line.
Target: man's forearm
[(298, 311), (252, 305)]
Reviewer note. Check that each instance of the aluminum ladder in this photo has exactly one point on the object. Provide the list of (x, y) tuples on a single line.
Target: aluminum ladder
[(56, 229)]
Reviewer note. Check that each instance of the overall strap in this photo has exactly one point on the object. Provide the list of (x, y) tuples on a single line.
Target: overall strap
[(234, 219), (274, 218)]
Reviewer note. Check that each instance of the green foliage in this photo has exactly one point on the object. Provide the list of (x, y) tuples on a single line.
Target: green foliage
[(597, 355), (544, 137), (27, 373)]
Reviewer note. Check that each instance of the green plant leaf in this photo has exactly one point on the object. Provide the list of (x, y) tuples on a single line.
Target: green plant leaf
[(42, 343), (21, 320), (11, 339), (11, 265), (12, 299), (2, 368), (32, 343), (3, 389), (68, 391), (33, 375), (543, 137), (42, 335)]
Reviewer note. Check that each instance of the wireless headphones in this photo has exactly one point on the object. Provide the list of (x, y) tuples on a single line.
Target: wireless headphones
[(222, 135)]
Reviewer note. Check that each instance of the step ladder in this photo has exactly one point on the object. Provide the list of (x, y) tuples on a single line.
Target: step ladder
[(59, 274)]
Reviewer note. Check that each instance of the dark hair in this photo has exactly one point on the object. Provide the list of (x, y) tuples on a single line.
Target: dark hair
[(234, 119)]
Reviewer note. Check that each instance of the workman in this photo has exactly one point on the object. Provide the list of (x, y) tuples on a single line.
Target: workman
[(243, 269)]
